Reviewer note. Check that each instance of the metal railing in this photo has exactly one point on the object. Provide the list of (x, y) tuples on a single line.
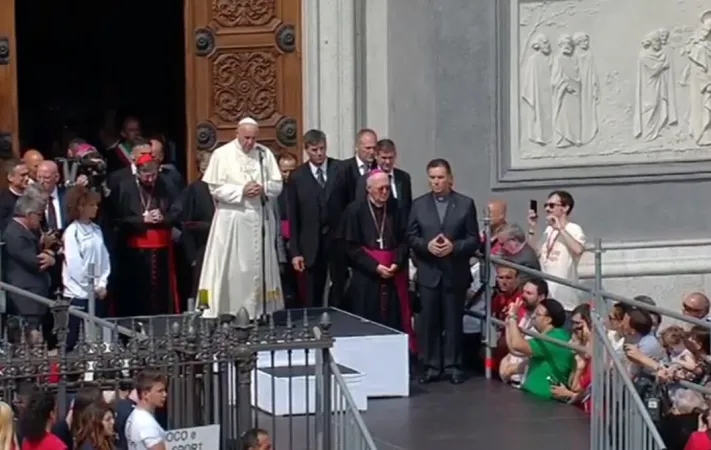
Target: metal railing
[(228, 371), (346, 427), (620, 418)]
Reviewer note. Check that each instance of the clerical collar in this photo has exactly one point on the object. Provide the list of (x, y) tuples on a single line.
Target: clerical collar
[(375, 205), (15, 192), (442, 198)]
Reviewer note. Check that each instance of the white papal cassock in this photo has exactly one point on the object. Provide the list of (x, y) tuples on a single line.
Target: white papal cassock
[(231, 271)]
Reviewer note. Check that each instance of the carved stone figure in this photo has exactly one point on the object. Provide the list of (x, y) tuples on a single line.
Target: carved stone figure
[(536, 114), (670, 75), (589, 88), (651, 106), (700, 85), (565, 82)]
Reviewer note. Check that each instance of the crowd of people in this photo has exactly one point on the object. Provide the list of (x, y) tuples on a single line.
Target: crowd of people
[(656, 357), (261, 232), (131, 418)]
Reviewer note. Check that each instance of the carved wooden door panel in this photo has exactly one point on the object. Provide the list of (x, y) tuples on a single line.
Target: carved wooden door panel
[(243, 59), (9, 141)]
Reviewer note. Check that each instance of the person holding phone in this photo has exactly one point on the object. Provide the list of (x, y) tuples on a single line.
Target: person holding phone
[(443, 234), (561, 246), (549, 364)]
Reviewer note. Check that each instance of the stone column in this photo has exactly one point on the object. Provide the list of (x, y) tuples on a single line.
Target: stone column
[(328, 47), (376, 65)]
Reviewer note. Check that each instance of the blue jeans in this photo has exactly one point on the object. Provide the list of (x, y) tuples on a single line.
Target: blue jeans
[(75, 323)]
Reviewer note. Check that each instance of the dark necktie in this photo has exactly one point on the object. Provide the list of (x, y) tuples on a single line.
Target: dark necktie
[(319, 177), (52, 221), (363, 169)]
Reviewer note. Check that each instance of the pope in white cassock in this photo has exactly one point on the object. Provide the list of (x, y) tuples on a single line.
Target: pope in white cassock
[(232, 271)]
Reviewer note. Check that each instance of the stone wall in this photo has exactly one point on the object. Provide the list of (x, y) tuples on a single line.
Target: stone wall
[(445, 79)]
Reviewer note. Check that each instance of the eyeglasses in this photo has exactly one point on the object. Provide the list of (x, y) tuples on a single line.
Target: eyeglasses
[(691, 309), (552, 205)]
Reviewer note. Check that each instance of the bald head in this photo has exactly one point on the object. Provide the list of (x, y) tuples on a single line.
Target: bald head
[(48, 175), (32, 159), (497, 213), (377, 179), (366, 143), (696, 305), (247, 135)]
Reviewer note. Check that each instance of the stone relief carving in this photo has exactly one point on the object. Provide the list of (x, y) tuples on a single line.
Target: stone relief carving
[(233, 13), (536, 91), (565, 81), (653, 107), (589, 88), (610, 98), (244, 83)]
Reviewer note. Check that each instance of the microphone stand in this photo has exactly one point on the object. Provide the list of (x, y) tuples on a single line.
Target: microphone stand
[(264, 317)]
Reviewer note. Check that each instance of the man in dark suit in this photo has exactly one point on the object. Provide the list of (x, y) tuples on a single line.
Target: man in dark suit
[(54, 218), (26, 261), (289, 278), (139, 146), (169, 171), (444, 234), (17, 179), (400, 182), (118, 155), (350, 171), (313, 212)]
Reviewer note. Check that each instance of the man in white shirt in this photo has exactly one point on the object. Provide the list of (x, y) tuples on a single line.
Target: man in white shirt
[(142, 429), (561, 247)]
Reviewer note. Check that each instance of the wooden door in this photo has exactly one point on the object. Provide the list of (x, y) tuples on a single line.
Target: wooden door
[(242, 58), (9, 141)]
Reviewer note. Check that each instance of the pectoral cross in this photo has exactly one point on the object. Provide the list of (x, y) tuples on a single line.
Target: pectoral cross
[(381, 245)]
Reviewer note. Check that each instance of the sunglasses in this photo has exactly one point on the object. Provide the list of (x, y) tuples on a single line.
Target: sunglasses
[(688, 308), (552, 205)]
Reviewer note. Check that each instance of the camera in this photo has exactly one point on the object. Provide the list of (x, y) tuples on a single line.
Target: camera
[(90, 164)]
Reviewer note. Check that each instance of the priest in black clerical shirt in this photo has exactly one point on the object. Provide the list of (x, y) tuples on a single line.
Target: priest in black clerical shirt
[(374, 235), (289, 277), (444, 234), (198, 209), (18, 176)]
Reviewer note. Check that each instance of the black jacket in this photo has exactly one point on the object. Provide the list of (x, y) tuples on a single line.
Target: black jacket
[(460, 226), (21, 249)]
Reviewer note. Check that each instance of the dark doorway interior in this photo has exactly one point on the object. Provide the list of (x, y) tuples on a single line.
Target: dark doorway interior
[(83, 65)]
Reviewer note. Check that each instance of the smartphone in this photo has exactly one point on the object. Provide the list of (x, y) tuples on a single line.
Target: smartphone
[(533, 206)]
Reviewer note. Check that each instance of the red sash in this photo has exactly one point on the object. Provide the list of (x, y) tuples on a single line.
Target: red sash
[(159, 238), (401, 279), (285, 231)]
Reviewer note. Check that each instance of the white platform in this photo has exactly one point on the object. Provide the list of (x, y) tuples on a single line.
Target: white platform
[(382, 356), (272, 387)]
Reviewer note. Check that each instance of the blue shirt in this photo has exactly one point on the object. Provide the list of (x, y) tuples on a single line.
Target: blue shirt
[(650, 346)]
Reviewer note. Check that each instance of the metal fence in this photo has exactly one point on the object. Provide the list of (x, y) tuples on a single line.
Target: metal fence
[(620, 419), (228, 371)]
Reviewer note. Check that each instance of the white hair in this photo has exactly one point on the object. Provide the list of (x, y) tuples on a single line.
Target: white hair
[(374, 177), (29, 204)]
